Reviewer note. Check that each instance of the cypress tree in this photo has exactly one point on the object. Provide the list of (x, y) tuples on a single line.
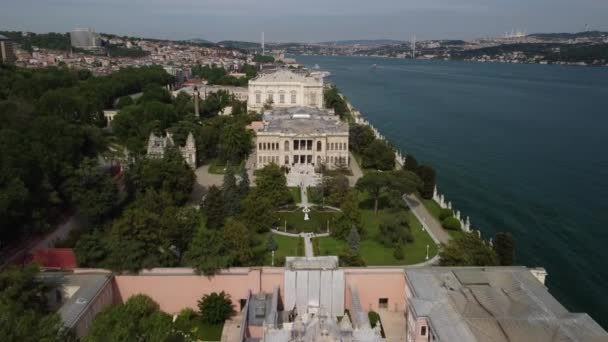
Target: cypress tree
[(214, 208), (504, 246), (353, 240), (243, 186), (230, 193)]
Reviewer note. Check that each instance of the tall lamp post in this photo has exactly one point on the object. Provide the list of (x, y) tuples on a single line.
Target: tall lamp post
[(427, 252)]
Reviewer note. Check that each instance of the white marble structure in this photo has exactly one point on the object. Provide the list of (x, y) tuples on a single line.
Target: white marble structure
[(157, 145), (300, 136), (284, 88), (239, 93), (312, 283)]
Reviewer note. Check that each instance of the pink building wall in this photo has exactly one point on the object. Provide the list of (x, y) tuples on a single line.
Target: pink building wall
[(177, 288), (375, 283)]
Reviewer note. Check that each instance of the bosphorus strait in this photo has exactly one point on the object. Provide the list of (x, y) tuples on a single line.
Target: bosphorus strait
[(518, 148)]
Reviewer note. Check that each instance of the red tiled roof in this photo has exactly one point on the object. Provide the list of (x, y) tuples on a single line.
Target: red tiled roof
[(55, 258)]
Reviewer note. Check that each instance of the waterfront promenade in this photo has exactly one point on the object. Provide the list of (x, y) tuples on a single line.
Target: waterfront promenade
[(428, 221)]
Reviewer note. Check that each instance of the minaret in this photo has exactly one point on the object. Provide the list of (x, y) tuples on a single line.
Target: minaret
[(263, 51), (196, 97)]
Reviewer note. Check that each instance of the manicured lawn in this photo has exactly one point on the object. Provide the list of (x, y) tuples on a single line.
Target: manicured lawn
[(432, 207), (373, 252), (288, 246), (295, 193), (217, 167), (295, 220), (209, 332)]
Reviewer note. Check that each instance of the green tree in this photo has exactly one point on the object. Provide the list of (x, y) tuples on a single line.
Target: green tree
[(398, 253), (207, 252), (353, 240), (215, 307), (239, 242), (378, 155), (92, 190), (230, 192), (451, 223), (348, 258), (23, 308), (214, 208), (138, 319), (334, 188), (152, 232), (411, 164), (395, 231), (235, 143), (467, 250), (333, 100), (272, 184), (124, 102), (271, 244), (155, 93), (360, 137), (243, 185), (257, 212), (374, 183), (169, 174), (428, 176), (91, 249), (504, 246), (445, 213), (349, 217)]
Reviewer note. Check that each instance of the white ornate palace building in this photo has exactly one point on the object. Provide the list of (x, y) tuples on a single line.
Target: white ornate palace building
[(284, 88), (297, 132)]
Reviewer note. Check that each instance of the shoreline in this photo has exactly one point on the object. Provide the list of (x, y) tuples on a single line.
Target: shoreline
[(400, 157), (567, 64)]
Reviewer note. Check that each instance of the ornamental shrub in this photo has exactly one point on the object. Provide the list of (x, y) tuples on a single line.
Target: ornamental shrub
[(451, 223), (398, 253), (215, 307), (445, 213)]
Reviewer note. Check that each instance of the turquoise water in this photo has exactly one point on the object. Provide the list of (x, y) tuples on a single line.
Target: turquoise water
[(519, 148)]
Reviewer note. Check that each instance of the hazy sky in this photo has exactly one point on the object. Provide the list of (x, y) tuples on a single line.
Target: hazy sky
[(305, 20)]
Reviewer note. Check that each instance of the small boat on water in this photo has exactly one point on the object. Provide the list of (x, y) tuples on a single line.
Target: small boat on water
[(374, 66), (317, 67)]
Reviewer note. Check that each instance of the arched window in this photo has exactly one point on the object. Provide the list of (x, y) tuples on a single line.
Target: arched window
[(286, 145), (319, 146), (258, 97), (270, 96), (293, 97), (281, 97), (313, 99)]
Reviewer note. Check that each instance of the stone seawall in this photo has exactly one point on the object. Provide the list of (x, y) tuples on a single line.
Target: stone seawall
[(440, 199)]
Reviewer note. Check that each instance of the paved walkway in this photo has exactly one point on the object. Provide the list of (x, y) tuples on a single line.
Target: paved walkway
[(355, 169), (308, 252), (232, 328), (304, 196), (394, 324), (428, 221)]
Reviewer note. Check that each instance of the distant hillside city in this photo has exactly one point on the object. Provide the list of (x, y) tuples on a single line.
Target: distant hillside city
[(103, 53)]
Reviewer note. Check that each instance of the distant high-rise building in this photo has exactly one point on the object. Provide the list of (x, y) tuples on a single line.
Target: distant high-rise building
[(7, 55), (84, 38)]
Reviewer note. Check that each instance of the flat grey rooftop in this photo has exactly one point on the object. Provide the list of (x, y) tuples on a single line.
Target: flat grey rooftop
[(87, 286), (494, 304), (303, 120)]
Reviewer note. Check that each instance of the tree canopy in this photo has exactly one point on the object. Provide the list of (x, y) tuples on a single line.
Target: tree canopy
[(23, 308), (467, 250)]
